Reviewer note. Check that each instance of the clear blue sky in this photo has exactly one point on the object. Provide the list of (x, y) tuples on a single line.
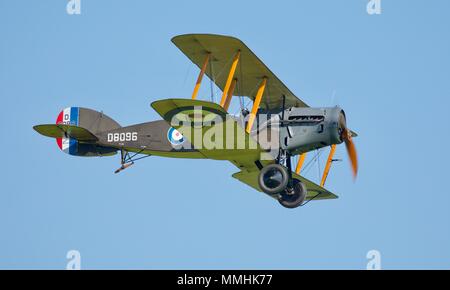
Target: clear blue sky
[(390, 73)]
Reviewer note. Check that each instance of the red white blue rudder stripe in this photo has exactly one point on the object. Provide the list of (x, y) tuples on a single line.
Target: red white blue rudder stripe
[(68, 116)]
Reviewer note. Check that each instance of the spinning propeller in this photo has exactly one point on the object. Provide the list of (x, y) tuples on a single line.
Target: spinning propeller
[(346, 136)]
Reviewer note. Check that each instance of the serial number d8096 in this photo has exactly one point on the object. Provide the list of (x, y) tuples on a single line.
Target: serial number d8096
[(122, 137)]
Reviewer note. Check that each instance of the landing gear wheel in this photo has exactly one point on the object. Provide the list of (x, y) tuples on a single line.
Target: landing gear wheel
[(296, 198), (273, 179)]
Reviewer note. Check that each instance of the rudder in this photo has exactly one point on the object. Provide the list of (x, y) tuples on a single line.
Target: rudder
[(91, 120)]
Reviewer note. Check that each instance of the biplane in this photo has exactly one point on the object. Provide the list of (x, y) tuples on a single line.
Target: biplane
[(261, 141)]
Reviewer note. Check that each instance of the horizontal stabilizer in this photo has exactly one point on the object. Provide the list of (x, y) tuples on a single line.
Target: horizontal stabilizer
[(66, 131)]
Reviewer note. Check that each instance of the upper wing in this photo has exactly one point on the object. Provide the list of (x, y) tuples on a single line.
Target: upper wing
[(251, 70)]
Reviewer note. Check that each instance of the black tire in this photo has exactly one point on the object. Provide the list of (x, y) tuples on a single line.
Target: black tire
[(273, 179), (297, 198)]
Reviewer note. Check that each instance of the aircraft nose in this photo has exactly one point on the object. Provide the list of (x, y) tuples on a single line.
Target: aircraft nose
[(342, 124)]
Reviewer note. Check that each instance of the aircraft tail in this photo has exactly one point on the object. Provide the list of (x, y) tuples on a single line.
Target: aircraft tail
[(75, 131)]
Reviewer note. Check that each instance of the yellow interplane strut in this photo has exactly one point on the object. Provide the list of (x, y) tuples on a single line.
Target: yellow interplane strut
[(200, 76), (230, 78), (301, 160), (256, 103), (230, 95), (328, 165)]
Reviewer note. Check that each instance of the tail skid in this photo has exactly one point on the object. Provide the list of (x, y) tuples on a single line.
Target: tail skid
[(127, 160)]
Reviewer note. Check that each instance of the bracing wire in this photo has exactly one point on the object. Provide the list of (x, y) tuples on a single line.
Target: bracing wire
[(240, 84), (187, 74), (215, 89), (212, 80), (311, 162), (318, 165)]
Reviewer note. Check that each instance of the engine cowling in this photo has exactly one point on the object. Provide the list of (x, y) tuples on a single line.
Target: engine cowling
[(307, 129)]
